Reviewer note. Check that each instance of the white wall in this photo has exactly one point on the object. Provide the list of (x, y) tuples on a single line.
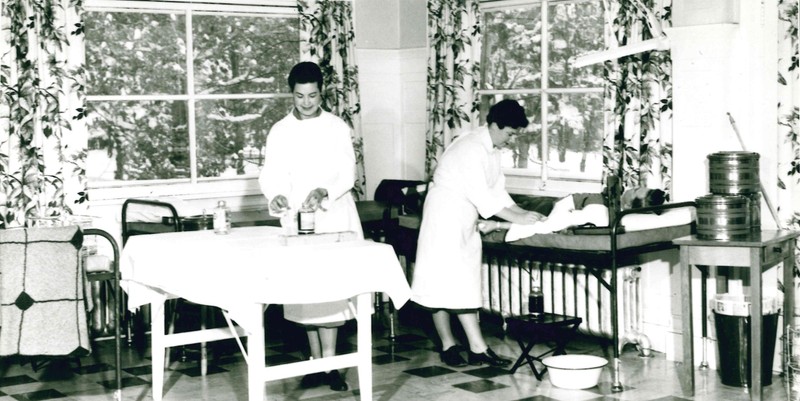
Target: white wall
[(392, 83), (392, 62)]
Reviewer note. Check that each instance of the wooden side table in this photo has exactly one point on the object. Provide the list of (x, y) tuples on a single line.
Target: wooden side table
[(536, 330), (757, 253)]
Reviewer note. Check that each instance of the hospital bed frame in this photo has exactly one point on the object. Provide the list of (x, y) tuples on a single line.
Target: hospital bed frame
[(595, 261)]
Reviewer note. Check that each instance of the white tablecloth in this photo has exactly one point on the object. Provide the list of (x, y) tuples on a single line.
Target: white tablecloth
[(241, 271), (249, 265)]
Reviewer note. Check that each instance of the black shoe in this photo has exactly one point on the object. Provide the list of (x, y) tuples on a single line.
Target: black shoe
[(487, 357), (336, 381), (314, 380), (452, 357)]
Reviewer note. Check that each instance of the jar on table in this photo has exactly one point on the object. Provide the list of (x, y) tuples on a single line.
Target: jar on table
[(305, 221)]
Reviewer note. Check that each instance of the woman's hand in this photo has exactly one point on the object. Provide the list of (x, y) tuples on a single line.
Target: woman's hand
[(531, 217), (278, 205), (314, 199), (487, 226)]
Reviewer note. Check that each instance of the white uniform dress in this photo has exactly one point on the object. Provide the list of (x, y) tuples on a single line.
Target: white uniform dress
[(468, 182), (302, 155)]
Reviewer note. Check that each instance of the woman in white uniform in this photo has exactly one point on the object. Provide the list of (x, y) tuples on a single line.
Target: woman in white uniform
[(310, 163), (467, 183)]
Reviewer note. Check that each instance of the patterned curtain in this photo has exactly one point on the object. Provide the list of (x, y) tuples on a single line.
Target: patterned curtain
[(453, 65), (42, 135), (638, 97), (329, 40), (789, 119)]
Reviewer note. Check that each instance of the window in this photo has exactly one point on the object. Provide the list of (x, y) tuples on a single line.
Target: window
[(182, 92), (526, 51)]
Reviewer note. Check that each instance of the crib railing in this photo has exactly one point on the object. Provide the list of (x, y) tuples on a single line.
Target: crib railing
[(570, 289)]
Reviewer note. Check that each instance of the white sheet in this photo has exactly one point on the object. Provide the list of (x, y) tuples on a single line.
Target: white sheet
[(598, 215), (250, 265)]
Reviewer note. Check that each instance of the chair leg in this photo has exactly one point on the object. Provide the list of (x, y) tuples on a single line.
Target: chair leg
[(172, 311), (117, 341), (203, 345), (204, 318)]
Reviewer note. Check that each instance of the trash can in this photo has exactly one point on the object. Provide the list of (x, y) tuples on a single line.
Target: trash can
[(732, 322)]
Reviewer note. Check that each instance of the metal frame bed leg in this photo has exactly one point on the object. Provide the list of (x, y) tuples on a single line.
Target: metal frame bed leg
[(616, 383), (117, 304)]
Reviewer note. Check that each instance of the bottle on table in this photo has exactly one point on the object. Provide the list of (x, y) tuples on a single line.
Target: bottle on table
[(222, 218), (536, 301)]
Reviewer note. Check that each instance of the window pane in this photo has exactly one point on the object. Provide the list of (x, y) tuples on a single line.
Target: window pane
[(135, 53), (512, 40), (576, 135), (137, 141), (244, 54), (575, 30), (231, 134)]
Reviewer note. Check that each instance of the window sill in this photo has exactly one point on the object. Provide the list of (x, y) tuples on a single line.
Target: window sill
[(534, 185), (207, 189)]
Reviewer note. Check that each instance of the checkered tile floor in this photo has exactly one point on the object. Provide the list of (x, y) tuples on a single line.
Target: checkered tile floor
[(405, 369)]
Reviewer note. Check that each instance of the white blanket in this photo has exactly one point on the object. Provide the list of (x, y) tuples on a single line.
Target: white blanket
[(563, 216)]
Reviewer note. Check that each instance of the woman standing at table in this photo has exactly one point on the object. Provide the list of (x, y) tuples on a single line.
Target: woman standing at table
[(467, 183), (310, 164)]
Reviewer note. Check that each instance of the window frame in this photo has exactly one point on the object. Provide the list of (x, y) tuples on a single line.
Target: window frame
[(530, 181), (193, 186)]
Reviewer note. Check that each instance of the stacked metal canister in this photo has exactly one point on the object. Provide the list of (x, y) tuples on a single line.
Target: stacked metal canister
[(733, 208)]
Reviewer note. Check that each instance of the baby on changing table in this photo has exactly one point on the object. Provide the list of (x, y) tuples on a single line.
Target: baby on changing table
[(577, 210)]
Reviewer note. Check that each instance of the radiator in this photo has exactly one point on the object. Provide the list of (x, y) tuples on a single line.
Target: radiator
[(570, 289)]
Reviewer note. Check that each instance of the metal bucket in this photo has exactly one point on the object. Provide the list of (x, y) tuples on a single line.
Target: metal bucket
[(733, 173), (723, 217)]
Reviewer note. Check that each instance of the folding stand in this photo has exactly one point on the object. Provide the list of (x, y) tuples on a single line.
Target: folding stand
[(536, 330)]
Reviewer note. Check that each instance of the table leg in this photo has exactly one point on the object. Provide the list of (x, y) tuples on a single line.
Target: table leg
[(525, 357), (364, 337), (256, 362), (392, 320), (158, 349), (704, 313), (756, 319), (687, 376)]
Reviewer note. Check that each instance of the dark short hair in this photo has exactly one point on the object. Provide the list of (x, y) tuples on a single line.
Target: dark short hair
[(507, 113), (305, 72)]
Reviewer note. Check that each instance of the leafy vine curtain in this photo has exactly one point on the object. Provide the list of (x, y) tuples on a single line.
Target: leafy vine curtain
[(789, 118), (329, 40), (453, 65), (638, 97), (42, 159)]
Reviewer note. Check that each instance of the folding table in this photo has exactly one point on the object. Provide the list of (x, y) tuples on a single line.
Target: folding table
[(536, 330)]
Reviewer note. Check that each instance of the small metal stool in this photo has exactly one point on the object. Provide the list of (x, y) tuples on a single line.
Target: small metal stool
[(529, 331)]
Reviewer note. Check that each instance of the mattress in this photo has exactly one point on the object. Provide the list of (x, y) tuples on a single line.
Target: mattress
[(629, 239), (638, 230)]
